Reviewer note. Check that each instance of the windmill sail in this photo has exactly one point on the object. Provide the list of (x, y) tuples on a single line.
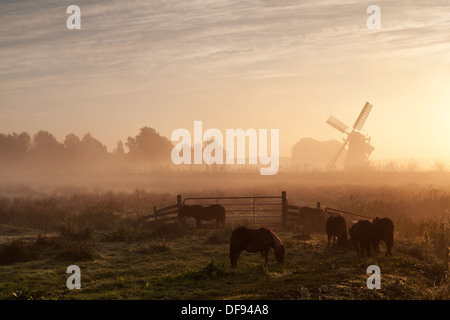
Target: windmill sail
[(359, 123), (335, 123), (341, 149), (359, 148)]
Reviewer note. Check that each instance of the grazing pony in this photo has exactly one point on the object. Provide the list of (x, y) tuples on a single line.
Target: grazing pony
[(251, 240), (337, 229), (361, 234), (383, 230), (200, 213), (312, 219)]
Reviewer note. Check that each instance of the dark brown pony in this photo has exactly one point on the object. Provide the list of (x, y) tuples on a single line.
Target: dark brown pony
[(260, 240), (361, 234), (383, 230), (336, 228), (312, 219), (200, 213)]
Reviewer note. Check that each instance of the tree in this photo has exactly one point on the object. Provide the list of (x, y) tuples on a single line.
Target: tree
[(46, 152), (14, 147), (72, 144), (149, 148), (119, 151)]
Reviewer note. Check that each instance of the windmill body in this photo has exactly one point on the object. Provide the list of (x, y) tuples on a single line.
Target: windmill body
[(358, 151), (359, 148)]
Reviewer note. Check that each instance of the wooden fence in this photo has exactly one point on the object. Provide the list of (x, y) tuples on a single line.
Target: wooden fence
[(293, 212), (169, 213), (346, 212), (280, 212), (273, 210)]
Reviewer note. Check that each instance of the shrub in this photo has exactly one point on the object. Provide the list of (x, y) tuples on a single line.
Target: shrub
[(211, 270), (122, 234), (18, 251), (75, 251), (165, 229), (68, 230), (155, 247), (43, 242), (219, 236)]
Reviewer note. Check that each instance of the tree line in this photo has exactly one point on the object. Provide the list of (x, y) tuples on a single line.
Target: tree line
[(43, 151)]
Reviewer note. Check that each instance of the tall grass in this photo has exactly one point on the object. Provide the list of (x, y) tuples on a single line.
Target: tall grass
[(418, 212), (18, 250)]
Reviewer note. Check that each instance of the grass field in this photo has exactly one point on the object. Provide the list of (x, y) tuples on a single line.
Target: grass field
[(121, 258), (193, 264)]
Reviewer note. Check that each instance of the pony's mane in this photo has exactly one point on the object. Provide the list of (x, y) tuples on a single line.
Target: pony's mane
[(277, 243)]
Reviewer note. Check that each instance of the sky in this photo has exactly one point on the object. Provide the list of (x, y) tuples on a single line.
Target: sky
[(274, 64)]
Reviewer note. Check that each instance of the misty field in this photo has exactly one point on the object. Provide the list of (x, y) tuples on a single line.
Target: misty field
[(123, 257)]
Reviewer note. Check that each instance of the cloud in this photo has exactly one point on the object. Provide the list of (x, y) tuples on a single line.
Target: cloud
[(211, 38)]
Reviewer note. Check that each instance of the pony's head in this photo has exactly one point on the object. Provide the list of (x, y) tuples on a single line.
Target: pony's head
[(183, 211), (187, 210), (279, 253), (278, 248), (343, 240)]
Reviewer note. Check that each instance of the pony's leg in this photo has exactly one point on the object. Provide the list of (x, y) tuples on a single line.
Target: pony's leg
[(367, 246), (329, 240), (198, 223), (388, 247), (234, 255), (357, 246), (376, 248)]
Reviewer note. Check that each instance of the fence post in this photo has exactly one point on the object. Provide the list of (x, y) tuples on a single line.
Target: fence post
[(154, 213), (179, 210), (179, 203), (253, 208), (284, 210)]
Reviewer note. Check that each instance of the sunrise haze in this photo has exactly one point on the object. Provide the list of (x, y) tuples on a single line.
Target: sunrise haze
[(284, 64)]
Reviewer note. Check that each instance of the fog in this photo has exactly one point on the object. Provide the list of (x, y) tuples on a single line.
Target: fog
[(40, 163)]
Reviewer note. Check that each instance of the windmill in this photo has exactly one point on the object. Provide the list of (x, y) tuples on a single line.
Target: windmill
[(359, 148)]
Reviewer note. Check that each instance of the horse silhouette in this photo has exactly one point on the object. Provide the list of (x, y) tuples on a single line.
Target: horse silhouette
[(336, 228), (383, 230), (361, 234), (255, 240), (200, 213), (312, 219)]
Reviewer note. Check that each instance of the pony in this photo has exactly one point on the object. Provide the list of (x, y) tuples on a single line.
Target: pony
[(361, 234), (312, 219), (337, 229), (383, 230), (255, 240), (200, 213)]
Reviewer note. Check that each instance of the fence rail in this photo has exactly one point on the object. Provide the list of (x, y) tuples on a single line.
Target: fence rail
[(249, 204), (347, 212), (164, 212), (288, 211), (234, 198)]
